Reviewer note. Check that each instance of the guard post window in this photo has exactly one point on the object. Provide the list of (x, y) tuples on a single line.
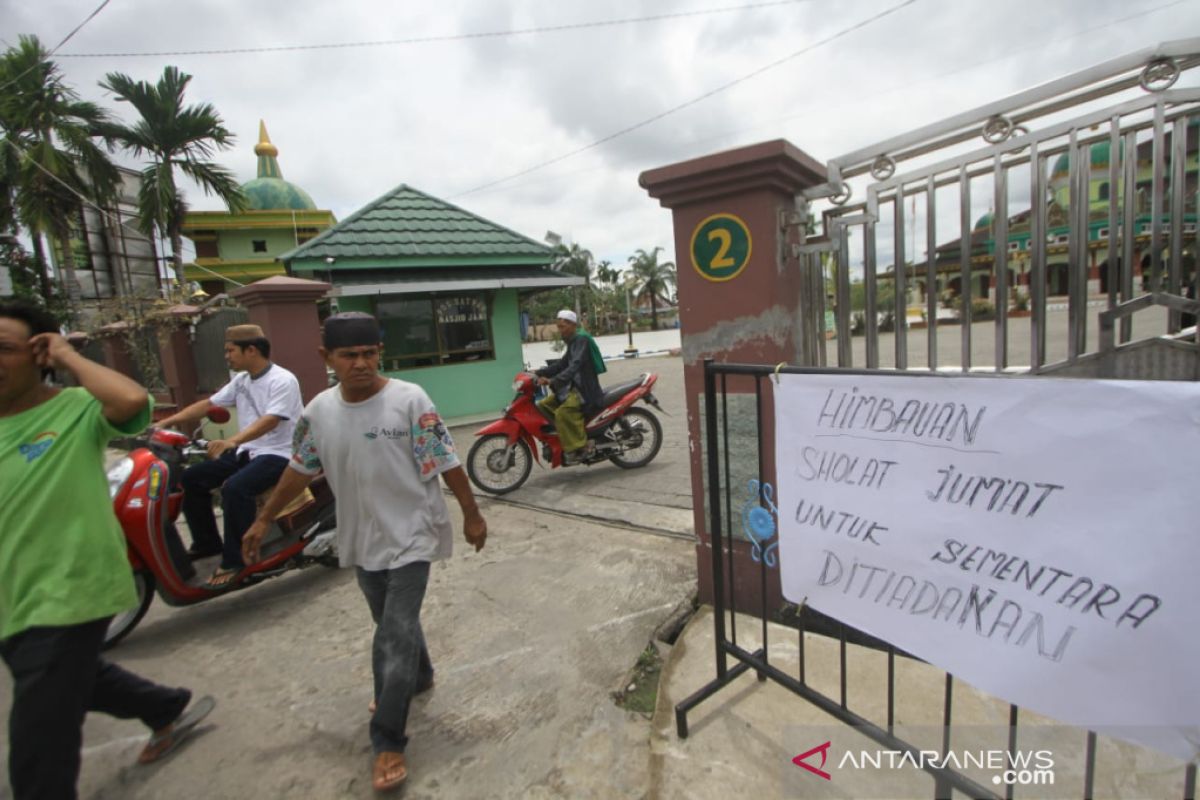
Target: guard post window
[(432, 330)]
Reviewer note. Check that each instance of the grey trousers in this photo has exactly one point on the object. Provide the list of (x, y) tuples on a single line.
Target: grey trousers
[(399, 658)]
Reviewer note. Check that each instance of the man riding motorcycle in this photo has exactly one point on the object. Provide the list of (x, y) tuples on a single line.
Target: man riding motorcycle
[(268, 402), (575, 388)]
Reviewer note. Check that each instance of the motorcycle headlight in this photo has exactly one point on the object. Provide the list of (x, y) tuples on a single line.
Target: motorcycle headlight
[(517, 385), (118, 475)]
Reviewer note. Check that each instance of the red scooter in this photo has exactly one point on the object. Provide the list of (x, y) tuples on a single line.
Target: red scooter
[(147, 498), (501, 459)]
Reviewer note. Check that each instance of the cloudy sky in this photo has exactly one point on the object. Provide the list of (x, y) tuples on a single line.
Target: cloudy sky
[(458, 112)]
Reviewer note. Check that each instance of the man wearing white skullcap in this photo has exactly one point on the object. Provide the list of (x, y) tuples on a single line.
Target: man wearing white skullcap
[(575, 389)]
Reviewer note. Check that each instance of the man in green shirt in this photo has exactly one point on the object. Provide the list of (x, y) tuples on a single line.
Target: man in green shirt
[(63, 568)]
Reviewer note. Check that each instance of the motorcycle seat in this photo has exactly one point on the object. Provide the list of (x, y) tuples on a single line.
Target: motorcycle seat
[(614, 393), (303, 511)]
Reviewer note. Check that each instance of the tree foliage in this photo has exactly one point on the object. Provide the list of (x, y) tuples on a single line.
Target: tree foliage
[(174, 137), (51, 162), (652, 279)]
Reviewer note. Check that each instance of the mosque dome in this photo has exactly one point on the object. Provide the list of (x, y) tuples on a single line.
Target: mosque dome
[(1099, 158), (269, 191), (983, 222)]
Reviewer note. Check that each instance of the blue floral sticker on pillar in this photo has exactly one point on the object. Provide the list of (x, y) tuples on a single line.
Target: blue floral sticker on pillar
[(758, 523)]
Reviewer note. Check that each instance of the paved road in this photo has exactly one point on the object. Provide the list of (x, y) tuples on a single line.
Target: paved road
[(656, 497), (1150, 322)]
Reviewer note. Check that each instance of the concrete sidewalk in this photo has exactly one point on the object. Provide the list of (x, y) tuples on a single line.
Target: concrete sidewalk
[(742, 740)]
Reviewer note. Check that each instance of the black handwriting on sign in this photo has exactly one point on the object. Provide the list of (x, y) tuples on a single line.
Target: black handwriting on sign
[(913, 419), (843, 523), (1000, 494), (981, 610), (835, 467), (1068, 590)]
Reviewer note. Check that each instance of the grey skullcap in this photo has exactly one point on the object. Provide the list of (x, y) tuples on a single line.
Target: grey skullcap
[(350, 329)]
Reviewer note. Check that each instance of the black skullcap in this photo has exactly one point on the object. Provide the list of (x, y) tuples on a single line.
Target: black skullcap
[(350, 329)]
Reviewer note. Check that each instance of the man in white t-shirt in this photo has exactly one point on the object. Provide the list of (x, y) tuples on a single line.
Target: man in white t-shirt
[(381, 445), (267, 399)]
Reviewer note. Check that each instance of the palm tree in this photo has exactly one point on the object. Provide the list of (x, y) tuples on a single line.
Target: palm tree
[(650, 278), (607, 274), (578, 261), (51, 163), (173, 136)]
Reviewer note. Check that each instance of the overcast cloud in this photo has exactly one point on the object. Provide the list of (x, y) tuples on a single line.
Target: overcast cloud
[(449, 116)]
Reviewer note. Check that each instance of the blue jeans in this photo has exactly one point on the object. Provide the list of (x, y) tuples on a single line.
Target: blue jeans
[(399, 658), (241, 480)]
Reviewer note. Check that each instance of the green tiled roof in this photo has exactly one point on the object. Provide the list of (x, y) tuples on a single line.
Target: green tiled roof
[(408, 227)]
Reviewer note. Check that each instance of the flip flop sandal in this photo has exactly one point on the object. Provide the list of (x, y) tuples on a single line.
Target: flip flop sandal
[(161, 744), (379, 775), (230, 580)]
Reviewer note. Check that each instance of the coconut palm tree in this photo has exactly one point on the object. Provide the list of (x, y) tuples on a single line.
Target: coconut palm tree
[(650, 278), (578, 261), (51, 162), (173, 136)]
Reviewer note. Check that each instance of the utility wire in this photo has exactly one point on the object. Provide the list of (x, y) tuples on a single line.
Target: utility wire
[(82, 198), (451, 37), (66, 39), (907, 84), (687, 104), (106, 213), (79, 27)]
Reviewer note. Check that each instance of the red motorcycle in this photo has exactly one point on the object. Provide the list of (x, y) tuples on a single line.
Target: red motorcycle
[(501, 459), (147, 497)]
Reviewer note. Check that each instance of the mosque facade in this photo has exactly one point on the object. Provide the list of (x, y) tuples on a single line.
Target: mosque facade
[(236, 248)]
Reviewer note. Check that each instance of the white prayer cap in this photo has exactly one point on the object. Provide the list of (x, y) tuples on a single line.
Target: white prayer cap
[(569, 316)]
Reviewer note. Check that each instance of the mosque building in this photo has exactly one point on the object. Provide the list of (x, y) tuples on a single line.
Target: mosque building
[(234, 249), (982, 242)]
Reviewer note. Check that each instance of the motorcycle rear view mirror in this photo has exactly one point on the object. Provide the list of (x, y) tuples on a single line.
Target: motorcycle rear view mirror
[(217, 414)]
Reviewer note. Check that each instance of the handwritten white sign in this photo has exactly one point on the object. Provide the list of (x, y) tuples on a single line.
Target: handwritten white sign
[(1036, 537)]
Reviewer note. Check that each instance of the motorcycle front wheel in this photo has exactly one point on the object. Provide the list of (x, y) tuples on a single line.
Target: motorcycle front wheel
[(497, 468), (640, 437), (126, 621)]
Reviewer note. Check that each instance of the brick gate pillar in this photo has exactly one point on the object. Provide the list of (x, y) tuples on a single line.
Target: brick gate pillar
[(286, 309), (176, 353), (739, 302)]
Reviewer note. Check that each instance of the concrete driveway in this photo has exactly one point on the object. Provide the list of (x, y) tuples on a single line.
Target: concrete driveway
[(529, 638)]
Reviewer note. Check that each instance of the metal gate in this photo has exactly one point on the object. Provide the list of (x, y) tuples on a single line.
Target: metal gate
[(211, 370), (1112, 196), (1095, 207)]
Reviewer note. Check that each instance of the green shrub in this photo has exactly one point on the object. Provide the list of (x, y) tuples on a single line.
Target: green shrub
[(981, 310)]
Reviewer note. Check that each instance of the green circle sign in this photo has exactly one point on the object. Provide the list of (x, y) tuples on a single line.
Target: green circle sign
[(720, 247)]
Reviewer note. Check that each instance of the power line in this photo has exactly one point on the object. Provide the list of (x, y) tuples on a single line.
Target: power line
[(687, 104), (79, 27), (66, 39), (81, 197), (444, 37), (940, 74), (908, 84), (106, 213)]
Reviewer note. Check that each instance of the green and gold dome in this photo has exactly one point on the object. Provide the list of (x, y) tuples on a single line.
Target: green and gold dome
[(269, 191)]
